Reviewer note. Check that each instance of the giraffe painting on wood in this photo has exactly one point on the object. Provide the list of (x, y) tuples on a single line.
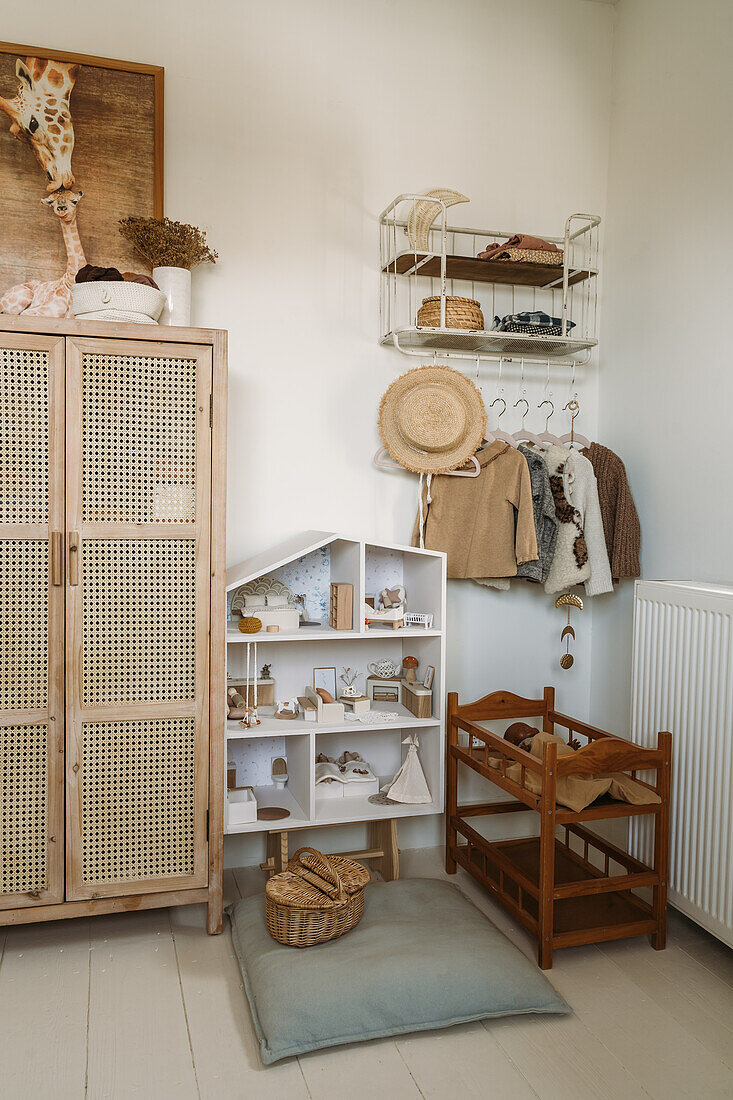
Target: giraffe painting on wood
[(40, 115), (52, 299), (65, 120)]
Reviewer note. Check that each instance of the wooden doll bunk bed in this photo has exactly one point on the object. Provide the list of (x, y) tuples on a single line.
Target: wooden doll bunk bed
[(572, 888)]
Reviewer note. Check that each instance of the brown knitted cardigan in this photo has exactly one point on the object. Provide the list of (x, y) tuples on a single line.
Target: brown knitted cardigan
[(620, 519)]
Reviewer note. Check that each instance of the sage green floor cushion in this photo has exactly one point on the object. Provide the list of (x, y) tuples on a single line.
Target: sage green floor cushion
[(423, 956)]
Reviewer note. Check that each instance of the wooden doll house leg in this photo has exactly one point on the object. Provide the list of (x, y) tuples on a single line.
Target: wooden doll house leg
[(383, 835)]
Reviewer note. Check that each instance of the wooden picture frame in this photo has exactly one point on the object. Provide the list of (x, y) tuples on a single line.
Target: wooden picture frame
[(429, 674), (325, 678), (107, 120)]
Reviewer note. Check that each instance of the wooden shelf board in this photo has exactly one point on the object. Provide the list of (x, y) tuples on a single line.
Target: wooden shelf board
[(339, 811), (572, 915), (472, 270), (278, 727), (270, 796)]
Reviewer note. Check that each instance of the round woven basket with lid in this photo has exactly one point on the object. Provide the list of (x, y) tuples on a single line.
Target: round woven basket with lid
[(318, 898), (459, 313)]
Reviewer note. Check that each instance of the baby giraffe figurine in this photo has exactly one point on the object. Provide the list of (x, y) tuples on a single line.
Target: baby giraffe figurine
[(521, 735), (52, 299)]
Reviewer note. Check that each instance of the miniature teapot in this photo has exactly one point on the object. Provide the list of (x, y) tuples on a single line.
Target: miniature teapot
[(384, 669)]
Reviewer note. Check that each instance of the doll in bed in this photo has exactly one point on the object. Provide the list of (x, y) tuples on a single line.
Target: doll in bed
[(574, 791), (521, 735)]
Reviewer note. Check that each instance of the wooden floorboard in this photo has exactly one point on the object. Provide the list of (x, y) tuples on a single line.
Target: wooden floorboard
[(138, 1037), (362, 1071), (696, 999), (149, 1006), (224, 1044), (44, 999), (657, 1051), (563, 1060), (463, 1061)]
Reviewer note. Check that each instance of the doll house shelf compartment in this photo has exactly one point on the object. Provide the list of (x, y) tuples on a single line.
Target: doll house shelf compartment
[(308, 565), (450, 266)]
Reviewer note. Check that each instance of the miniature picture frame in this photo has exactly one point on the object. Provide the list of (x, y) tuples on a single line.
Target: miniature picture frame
[(325, 678), (429, 673)]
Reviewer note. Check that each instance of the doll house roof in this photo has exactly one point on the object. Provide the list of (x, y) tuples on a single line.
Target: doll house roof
[(306, 542)]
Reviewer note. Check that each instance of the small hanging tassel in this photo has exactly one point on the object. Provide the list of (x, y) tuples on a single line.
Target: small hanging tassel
[(428, 500), (420, 509)]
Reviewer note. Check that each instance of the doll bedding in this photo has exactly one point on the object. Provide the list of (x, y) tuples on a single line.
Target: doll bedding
[(578, 791)]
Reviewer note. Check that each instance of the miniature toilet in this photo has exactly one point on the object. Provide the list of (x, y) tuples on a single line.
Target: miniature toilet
[(279, 772)]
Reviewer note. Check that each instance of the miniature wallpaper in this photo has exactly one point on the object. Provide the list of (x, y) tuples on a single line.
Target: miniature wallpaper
[(254, 759), (383, 569), (312, 575)]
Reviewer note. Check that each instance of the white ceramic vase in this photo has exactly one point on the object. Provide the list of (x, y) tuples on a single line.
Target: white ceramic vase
[(175, 284)]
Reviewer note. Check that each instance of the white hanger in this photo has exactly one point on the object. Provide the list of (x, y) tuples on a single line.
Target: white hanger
[(524, 434), (384, 462), (546, 438), (572, 436), (499, 433)]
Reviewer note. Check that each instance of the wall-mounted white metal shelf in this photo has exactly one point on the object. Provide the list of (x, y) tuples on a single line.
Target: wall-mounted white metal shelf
[(450, 266), (487, 344)]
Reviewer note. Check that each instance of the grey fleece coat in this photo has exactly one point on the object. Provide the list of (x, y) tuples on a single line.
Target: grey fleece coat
[(545, 518)]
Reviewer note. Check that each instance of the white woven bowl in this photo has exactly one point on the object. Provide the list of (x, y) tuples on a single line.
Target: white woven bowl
[(116, 315), (126, 296)]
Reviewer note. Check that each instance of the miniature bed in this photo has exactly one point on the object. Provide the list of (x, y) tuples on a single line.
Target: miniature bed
[(562, 888)]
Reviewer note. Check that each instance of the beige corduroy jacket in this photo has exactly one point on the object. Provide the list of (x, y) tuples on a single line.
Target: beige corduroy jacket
[(484, 524)]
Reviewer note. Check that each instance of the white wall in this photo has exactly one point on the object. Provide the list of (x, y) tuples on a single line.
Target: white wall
[(289, 126), (666, 387)]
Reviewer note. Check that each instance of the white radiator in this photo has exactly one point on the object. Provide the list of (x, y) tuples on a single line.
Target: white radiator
[(683, 682)]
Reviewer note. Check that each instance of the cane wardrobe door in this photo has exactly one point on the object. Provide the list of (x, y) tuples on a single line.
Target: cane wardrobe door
[(31, 620), (138, 539)]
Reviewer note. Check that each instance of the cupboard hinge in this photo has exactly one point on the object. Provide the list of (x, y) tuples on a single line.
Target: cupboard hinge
[(211, 410), (207, 824)]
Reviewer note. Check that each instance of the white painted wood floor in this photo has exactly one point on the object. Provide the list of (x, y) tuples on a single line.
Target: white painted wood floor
[(146, 1005)]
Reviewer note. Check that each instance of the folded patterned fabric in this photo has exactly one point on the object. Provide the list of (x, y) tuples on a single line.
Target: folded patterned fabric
[(519, 240), (536, 323)]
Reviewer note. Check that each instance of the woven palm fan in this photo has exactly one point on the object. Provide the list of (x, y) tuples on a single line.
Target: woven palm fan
[(423, 214)]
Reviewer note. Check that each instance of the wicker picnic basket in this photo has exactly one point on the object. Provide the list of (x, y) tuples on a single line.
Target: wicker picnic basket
[(459, 313), (318, 898)]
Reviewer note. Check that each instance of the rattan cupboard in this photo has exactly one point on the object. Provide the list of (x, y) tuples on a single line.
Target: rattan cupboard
[(112, 618)]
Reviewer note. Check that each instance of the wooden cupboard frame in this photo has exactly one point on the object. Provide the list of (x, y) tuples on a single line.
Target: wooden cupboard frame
[(64, 895)]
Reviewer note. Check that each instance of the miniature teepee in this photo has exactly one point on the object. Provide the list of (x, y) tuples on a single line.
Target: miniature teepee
[(409, 785)]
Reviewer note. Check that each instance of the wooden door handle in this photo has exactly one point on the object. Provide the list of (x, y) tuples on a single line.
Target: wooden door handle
[(56, 557), (74, 552)]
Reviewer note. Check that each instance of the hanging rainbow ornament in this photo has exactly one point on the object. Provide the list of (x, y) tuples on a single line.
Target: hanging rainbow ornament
[(568, 599), (251, 717)]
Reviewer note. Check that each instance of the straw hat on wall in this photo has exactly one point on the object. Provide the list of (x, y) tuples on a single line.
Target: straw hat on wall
[(432, 419)]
